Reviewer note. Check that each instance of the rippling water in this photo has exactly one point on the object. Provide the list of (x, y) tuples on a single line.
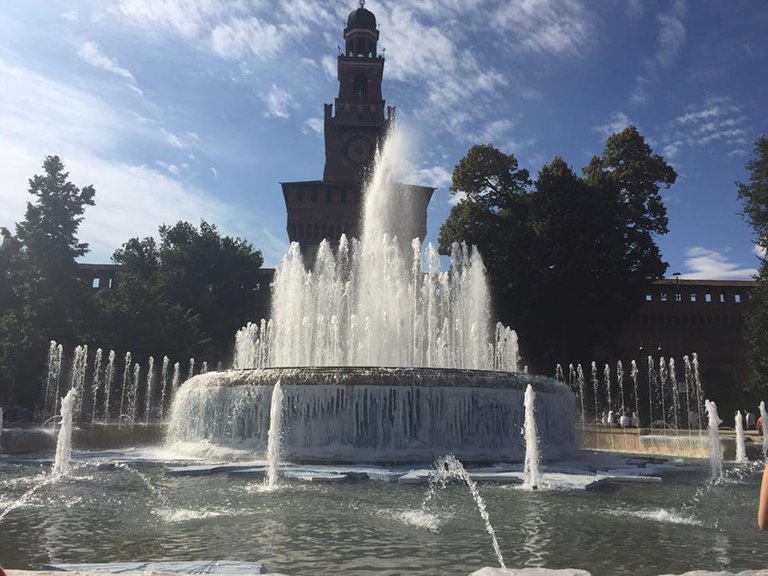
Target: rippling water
[(104, 515)]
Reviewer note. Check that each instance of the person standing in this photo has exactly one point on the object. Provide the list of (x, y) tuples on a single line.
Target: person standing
[(750, 419)]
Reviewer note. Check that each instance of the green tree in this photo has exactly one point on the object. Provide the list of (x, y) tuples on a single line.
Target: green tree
[(569, 257), (42, 296), (186, 296), (754, 197)]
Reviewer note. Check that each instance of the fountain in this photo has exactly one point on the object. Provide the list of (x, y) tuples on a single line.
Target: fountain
[(61, 464), (715, 451), (741, 450), (273, 447), (764, 420), (379, 360), (531, 467)]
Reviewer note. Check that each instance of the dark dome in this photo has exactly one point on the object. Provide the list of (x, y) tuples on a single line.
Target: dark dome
[(361, 18)]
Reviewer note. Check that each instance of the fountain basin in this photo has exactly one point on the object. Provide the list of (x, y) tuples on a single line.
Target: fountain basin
[(373, 414)]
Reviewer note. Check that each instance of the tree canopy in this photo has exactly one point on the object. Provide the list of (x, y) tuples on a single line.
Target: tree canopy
[(568, 256), (754, 197), (43, 297), (196, 288)]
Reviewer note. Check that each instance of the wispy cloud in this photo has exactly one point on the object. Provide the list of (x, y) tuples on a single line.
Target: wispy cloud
[(554, 27), (492, 132), (315, 125), (279, 102), (760, 251), (246, 37), (704, 263), (616, 123), (717, 121), (670, 41), (37, 113), (91, 53), (436, 176)]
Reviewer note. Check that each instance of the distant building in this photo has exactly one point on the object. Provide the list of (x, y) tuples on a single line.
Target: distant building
[(679, 317), (355, 127), (99, 276)]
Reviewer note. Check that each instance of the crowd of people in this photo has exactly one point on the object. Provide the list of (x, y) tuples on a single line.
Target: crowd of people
[(621, 418)]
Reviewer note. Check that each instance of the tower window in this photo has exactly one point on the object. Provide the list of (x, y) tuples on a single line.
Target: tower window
[(343, 198), (361, 86), (329, 195), (300, 195), (314, 194)]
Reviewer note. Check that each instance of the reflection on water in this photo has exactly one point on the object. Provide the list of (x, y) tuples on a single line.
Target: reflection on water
[(110, 514), (536, 538)]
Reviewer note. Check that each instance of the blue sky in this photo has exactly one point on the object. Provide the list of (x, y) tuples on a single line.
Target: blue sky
[(190, 109)]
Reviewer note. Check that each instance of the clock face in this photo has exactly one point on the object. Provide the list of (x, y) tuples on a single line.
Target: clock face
[(359, 150)]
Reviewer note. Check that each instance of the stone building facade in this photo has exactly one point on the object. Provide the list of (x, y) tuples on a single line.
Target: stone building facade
[(679, 317)]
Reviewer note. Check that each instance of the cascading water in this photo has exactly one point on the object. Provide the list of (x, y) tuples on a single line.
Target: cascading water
[(51, 399), (580, 382), (79, 368), (634, 372), (715, 453), (96, 382), (620, 380), (125, 386), (531, 465), (741, 451), (61, 464), (381, 355), (448, 468), (764, 421), (109, 378), (164, 385), (273, 445), (150, 388), (594, 389)]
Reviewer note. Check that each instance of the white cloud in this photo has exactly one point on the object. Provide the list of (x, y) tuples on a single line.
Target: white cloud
[(492, 132), (617, 122), (173, 139), (760, 251), (37, 113), (671, 39), (279, 102), (453, 86), (91, 53), (554, 27), (246, 37), (704, 263), (315, 124), (434, 176), (214, 172), (717, 121), (185, 17)]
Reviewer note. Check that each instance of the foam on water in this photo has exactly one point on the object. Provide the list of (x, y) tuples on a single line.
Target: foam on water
[(417, 518), (175, 515), (661, 515)]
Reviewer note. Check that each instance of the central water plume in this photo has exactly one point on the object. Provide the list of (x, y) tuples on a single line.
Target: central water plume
[(381, 355), (380, 301)]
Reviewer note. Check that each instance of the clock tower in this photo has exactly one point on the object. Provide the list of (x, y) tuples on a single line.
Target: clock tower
[(353, 133), (355, 126)]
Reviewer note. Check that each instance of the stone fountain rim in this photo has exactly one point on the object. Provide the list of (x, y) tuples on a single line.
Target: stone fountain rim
[(400, 376)]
